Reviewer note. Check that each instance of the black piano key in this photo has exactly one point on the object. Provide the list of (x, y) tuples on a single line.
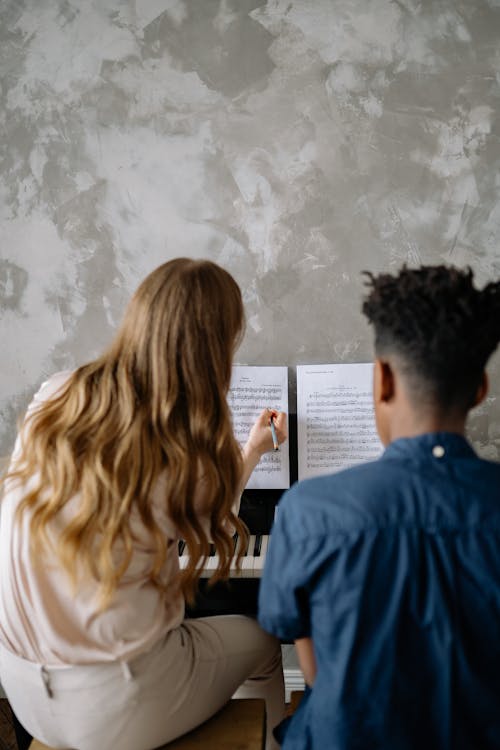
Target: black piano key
[(258, 545), (182, 545), (212, 550)]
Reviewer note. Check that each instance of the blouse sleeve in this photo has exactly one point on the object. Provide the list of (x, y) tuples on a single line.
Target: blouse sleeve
[(47, 390)]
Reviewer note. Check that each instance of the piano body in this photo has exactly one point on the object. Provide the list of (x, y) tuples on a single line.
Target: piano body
[(239, 594)]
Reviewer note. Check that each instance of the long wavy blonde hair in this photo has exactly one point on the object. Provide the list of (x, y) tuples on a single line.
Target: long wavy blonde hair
[(154, 402)]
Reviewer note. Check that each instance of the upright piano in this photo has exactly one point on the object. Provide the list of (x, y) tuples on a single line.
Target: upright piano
[(239, 594)]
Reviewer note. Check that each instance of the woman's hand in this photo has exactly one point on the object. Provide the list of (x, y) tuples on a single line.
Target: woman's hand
[(260, 439)]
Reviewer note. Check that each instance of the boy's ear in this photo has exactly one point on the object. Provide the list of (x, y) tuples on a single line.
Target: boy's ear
[(384, 388), (482, 389)]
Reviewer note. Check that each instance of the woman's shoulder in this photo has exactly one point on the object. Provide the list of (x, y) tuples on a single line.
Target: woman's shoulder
[(50, 387)]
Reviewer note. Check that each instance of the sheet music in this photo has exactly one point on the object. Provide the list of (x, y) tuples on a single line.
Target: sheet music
[(335, 419), (253, 389)]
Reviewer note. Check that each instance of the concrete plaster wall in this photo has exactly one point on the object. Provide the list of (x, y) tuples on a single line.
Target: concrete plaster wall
[(296, 142)]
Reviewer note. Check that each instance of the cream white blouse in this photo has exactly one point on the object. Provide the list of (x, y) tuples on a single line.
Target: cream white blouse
[(43, 620)]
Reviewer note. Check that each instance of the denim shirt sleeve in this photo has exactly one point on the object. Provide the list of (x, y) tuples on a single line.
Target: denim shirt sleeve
[(293, 558)]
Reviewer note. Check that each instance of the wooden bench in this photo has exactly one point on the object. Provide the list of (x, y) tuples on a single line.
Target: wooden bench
[(239, 725)]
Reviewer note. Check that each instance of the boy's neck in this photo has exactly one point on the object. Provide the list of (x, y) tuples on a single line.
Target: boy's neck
[(401, 412)]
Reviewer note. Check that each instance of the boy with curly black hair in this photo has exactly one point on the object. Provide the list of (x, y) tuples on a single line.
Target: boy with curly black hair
[(387, 575)]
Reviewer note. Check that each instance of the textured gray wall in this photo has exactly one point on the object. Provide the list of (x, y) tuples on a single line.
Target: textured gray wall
[(296, 142)]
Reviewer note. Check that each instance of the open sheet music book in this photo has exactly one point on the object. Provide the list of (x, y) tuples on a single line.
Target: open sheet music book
[(335, 420)]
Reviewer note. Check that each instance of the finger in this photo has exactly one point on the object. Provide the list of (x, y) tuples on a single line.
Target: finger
[(281, 427), (280, 419), (270, 413)]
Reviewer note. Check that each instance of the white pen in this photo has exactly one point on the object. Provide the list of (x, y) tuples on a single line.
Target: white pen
[(273, 433)]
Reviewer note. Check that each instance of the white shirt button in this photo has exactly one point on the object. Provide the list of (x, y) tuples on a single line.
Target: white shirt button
[(438, 451)]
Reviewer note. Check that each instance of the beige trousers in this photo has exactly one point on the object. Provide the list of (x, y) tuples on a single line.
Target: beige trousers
[(156, 697)]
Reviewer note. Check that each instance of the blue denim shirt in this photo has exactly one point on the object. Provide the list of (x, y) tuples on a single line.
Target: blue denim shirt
[(393, 569)]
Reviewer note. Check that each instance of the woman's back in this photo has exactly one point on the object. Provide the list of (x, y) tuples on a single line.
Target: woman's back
[(43, 619)]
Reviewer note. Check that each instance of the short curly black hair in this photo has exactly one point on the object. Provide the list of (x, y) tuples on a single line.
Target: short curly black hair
[(441, 329)]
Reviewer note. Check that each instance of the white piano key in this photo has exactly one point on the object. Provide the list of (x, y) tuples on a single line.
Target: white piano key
[(234, 571), (261, 559), (248, 560)]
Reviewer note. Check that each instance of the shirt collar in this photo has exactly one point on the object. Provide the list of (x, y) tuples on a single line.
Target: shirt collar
[(438, 445)]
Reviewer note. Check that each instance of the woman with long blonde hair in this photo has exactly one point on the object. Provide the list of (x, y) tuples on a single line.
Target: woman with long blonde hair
[(114, 464)]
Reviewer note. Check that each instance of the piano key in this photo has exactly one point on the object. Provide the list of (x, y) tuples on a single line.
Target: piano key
[(184, 558), (211, 562), (246, 570), (261, 558), (233, 568), (258, 544)]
